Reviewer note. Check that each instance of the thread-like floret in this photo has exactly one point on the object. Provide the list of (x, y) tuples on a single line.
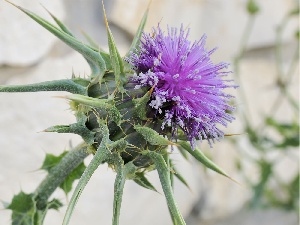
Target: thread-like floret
[(188, 87)]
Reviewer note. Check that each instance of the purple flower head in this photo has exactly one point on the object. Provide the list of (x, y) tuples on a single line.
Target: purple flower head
[(188, 87)]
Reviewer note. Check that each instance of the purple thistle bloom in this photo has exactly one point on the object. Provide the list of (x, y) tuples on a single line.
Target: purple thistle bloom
[(188, 86)]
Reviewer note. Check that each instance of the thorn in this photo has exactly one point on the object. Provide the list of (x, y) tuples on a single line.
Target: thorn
[(104, 14), (73, 74), (151, 90), (64, 97), (42, 131), (148, 7), (19, 7), (229, 135)]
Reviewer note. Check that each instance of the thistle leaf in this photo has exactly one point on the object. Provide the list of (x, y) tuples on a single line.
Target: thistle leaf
[(164, 176), (94, 58), (122, 172), (90, 40), (54, 204), (93, 45), (23, 209), (76, 128), (59, 23), (111, 110), (67, 185), (141, 180), (52, 160), (118, 188), (116, 59), (56, 85), (183, 152), (140, 104), (197, 154), (101, 155), (180, 177)]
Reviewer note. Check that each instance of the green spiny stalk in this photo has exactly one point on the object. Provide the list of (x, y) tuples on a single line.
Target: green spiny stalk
[(58, 174)]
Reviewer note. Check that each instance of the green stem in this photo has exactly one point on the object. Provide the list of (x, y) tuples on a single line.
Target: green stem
[(122, 172), (118, 190), (164, 176), (102, 154), (56, 85), (58, 174)]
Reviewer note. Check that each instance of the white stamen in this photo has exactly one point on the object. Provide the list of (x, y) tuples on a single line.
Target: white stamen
[(156, 62), (176, 76)]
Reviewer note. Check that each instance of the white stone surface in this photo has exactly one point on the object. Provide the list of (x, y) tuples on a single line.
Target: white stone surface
[(222, 20), (261, 217), (22, 41), (23, 147), (223, 196)]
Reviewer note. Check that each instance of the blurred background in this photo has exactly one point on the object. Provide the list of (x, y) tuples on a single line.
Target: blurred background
[(261, 41)]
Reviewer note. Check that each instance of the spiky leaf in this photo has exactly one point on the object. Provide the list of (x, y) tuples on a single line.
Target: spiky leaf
[(56, 85), (54, 204), (140, 105), (102, 154), (23, 209), (203, 159), (141, 180), (164, 176), (93, 57), (116, 59), (180, 177), (112, 111), (52, 160)]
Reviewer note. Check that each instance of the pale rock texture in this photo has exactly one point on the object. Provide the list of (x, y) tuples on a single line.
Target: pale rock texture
[(23, 148), (222, 196), (223, 21), (261, 217), (22, 41)]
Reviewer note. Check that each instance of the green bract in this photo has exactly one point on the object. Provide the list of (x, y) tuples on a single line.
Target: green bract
[(116, 124)]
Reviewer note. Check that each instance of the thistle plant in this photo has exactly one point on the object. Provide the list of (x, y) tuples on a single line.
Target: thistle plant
[(165, 91)]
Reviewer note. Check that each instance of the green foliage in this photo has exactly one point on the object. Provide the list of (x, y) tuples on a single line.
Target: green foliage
[(289, 132), (112, 111), (25, 212), (291, 193), (116, 59), (51, 161), (164, 176), (273, 136), (141, 180), (140, 105), (266, 173), (252, 7), (198, 155)]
